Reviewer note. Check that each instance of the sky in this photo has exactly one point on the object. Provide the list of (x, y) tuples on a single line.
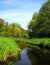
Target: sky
[(19, 11)]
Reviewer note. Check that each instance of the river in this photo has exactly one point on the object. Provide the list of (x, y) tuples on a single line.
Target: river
[(34, 57), (24, 58)]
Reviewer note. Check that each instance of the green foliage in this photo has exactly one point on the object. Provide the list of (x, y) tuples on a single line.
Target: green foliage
[(40, 23), (35, 40), (24, 33), (43, 43), (1, 24), (16, 25), (16, 31), (12, 30), (33, 22), (44, 20), (32, 25), (7, 47)]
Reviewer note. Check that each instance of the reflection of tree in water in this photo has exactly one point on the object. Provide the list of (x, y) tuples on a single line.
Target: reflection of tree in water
[(39, 56)]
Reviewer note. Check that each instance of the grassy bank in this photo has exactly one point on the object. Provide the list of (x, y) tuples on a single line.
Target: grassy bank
[(8, 48), (41, 42), (36, 40)]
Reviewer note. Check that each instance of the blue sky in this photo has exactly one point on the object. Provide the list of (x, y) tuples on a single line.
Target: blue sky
[(19, 11)]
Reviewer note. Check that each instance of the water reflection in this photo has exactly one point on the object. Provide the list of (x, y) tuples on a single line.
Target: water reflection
[(24, 58), (39, 56), (35, 56)]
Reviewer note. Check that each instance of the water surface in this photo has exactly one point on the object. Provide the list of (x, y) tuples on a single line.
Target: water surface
[(24, 58), (36, 56)]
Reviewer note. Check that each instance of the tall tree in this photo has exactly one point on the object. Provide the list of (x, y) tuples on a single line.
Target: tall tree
[(32, 25), (44, 20), (40, 24)]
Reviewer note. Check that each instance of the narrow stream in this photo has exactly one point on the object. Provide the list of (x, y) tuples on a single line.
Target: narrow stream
[(35, 57), (31, 56), (24, 58)]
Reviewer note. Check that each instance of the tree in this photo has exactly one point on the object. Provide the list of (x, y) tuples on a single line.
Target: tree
[(1, 24), (24, 33), (12, 30), (44, 20), (8, 30), (16, 32), (32, 25), (39, 26), (16, 25)]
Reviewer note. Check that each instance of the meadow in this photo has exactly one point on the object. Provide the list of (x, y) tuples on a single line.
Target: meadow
[(8, 48)]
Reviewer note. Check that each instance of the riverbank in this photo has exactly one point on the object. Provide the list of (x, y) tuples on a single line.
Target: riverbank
[(8, 49), (40, 42)]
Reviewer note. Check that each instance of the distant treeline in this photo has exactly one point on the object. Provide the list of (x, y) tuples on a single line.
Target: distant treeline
[(39, 26), (12, 30)]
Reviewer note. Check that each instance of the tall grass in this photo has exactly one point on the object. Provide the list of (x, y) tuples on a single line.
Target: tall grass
[(35, 40), (8, 48)]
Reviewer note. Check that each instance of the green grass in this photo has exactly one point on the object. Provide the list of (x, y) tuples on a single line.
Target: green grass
[(8, 47), (35, 40), (39, 40)]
